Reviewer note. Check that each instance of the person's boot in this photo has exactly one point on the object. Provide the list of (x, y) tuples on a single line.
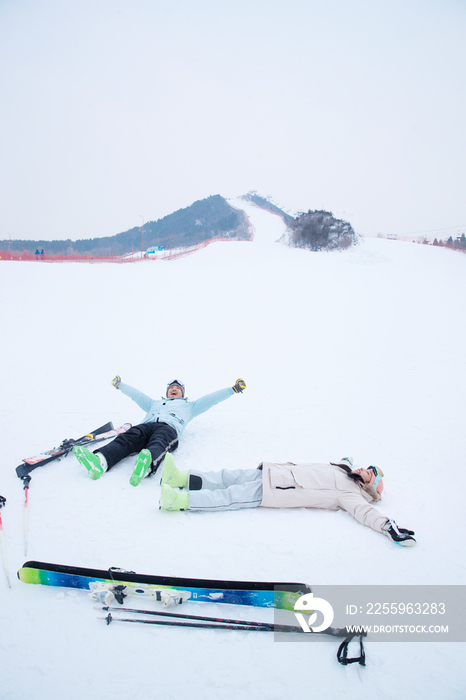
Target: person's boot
[(171, 475), (172, 499), (96, 464), (141, 467)]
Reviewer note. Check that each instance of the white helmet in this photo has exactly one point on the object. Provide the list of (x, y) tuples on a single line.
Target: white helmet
[(177, 383)]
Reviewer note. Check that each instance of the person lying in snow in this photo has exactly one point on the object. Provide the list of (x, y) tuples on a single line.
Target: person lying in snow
[(331, 486), (158, 433)]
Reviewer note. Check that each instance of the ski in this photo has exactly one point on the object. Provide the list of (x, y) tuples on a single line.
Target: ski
[(105, 432), (106, 585), (65, 444), (30, 463)]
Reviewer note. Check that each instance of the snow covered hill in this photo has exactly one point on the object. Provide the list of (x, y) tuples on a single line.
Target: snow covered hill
[(355, 353)]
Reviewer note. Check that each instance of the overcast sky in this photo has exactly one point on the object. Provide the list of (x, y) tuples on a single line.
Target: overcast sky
[(117, 112)]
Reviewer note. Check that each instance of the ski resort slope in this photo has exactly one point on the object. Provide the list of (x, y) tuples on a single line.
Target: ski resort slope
[(356, 353), (267, 228)]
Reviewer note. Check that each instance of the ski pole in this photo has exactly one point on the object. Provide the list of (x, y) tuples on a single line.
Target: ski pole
[(223, 623), (170, 623), (26, 481), (5, 562), (269, 626), (342, 649)]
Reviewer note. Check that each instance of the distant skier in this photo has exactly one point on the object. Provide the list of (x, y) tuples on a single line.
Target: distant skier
[(331, 486), (158, 433)]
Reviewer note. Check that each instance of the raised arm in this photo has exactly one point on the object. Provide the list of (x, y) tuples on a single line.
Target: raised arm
[(142, 400), (205, 402)]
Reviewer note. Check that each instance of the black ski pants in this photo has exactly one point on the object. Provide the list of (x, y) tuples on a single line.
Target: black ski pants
[(158, 438)]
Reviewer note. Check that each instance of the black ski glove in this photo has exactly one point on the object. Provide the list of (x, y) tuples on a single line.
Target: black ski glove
[(405, 532), (116, 381), (398, 535), (239, 387)]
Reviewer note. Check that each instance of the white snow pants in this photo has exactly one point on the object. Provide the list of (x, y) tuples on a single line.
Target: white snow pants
[(228, 489)]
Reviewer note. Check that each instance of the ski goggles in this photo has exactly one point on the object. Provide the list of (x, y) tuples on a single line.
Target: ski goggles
[(177, 383), (378, 474)]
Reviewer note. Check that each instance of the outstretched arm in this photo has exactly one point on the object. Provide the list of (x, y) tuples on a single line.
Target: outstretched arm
[(138, 397), (366, 514), (362, 511), (203, 404)]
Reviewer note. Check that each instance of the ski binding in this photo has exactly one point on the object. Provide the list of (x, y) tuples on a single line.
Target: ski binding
[(106, 593)]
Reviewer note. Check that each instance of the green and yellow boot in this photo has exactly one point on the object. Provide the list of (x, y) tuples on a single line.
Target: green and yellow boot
[(141, 467), (171, 475), (172, 499), (96, 465)]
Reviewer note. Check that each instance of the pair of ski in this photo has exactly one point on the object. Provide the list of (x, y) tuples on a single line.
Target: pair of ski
[(106, 585), (105, 432), (23, 471)]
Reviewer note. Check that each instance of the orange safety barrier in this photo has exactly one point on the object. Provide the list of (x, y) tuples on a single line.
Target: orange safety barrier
[(28, 257), (127, 258)]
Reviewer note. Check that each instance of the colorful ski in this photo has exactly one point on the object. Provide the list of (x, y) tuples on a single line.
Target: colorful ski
[(106, 432), (121, 583)]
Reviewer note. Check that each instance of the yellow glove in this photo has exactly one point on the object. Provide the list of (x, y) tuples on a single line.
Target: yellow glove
[(116, 381), (239, 387)]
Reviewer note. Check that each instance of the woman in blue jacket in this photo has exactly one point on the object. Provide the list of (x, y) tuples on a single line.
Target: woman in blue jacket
[(157, 434)]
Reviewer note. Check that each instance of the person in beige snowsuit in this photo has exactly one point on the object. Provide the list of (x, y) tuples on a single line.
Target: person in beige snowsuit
[(334, 486)]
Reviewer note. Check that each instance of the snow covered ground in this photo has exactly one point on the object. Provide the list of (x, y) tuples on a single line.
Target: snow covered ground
[(357, 353)]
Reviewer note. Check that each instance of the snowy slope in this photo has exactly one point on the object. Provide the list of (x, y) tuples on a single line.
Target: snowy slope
[(359, 353)]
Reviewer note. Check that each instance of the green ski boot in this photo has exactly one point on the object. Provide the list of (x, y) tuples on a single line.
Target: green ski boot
[(171, 499), (90, 461), (141, 467), (172, 476)]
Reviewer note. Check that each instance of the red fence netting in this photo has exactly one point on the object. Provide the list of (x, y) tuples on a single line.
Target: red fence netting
[(173, 254)]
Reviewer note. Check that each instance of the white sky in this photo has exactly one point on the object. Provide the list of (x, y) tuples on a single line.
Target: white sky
[(116, 112)]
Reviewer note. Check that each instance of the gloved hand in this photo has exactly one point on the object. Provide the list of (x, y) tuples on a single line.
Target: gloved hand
[(239, 387), (116, 381), (405, 532), (398, 535)]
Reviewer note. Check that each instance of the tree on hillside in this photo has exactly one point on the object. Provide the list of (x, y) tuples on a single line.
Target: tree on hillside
[(320, 230), (461, 241), (266, 203)]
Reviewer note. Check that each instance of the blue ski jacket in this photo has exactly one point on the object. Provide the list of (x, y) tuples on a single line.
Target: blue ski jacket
[(175, 412)]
